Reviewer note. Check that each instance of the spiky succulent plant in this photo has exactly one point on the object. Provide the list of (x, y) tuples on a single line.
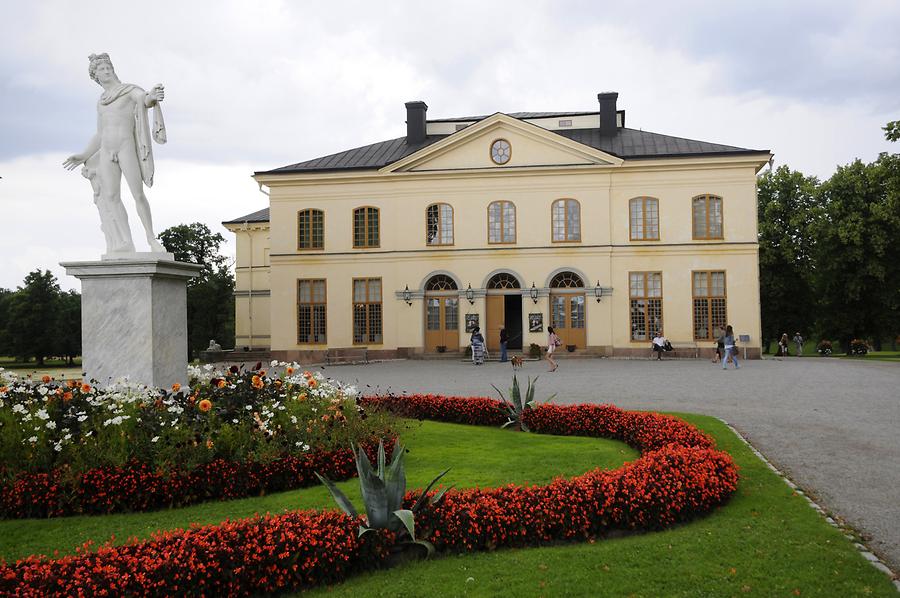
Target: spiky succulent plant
[(516, 407), (382, 492)]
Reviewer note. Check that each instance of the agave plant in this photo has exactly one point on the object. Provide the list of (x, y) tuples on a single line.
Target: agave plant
[(382, 491), (516, 406)]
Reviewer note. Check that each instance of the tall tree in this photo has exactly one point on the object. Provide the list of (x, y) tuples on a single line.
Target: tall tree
[(210, 296), (33, 316), (6, 346), (785, 207), (68, 326), (857, 257)]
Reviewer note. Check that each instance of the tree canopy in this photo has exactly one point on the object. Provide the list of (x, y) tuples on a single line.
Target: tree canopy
[(210, 296)]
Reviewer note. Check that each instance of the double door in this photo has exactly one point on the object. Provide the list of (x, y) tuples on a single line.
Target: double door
[(506, 311), (567, 316), (441, 323)]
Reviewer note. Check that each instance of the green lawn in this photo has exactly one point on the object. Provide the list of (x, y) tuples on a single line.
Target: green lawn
[(766, 541), (478, 456), (55, 368), (809, 350)]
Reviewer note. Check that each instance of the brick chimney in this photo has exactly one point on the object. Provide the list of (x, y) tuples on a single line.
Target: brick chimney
[(415, 121), (608, 122)]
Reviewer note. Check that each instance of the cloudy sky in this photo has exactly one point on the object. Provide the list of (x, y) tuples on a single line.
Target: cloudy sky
[(256, 85)]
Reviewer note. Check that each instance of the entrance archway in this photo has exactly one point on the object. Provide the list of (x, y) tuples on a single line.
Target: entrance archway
[(504, 308), (567, 308), (441, 313)]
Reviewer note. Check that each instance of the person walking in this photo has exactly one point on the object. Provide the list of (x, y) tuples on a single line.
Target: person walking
[(477, 341), (798, 340), (730, 349), (783, 345), (504, 339), (553, 341), (720, 347)]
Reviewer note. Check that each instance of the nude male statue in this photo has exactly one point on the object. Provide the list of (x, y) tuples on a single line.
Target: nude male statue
[(121, 147)]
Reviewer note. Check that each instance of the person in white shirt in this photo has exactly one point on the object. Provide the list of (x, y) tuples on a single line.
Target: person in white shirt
[(659, 345)]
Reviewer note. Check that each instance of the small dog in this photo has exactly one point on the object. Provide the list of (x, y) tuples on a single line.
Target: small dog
[(516, 362)]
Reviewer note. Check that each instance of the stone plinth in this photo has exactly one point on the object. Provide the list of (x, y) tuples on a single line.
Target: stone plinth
[(134, 318)]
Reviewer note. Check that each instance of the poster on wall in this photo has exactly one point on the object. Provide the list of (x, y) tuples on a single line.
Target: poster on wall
[(536, 322), (471, 323)]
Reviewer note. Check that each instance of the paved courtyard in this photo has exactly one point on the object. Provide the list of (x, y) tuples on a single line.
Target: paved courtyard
[(833, 426)]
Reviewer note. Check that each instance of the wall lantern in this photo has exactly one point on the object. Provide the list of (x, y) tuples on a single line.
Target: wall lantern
[(533, 293), (407, 295), (470, 295), (598, 291)]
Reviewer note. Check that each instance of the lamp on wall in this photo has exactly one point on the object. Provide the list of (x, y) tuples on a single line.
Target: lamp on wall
[(533, 293), (598, 291), (470, 295), (407, 295)]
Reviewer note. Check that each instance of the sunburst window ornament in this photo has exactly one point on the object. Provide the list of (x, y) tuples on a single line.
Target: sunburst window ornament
[(501, 151)]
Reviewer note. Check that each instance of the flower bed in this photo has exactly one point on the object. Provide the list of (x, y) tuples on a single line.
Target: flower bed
[(72, 448), (679, 475)]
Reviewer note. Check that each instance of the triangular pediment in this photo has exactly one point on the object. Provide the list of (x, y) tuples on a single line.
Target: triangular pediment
[(529, 146)]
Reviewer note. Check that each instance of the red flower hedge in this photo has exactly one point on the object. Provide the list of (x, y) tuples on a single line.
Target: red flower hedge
[(678, 476), (137, 487)]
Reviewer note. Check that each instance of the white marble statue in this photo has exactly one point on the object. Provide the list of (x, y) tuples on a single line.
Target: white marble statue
[(121, 147)]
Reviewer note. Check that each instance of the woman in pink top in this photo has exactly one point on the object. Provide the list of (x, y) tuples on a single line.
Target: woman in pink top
[(552, 343)]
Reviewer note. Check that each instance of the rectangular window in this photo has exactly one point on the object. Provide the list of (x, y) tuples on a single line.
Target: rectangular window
[(710, 313), (439, 224), (502, 222), (367, 326), (645, 291), (644, 219), (707, 217), (566, 220), (311, 312), (566, 122), (366, 227), (311, 229)]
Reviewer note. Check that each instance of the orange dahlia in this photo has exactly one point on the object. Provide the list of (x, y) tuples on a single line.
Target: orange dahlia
[(205, 405)]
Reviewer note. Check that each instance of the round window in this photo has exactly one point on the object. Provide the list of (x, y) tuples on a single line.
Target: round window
[(501, 151)]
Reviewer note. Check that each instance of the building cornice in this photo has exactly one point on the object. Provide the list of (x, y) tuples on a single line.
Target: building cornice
[(755, 160)]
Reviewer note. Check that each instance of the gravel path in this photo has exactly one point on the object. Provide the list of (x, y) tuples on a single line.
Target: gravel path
[(833, 426)]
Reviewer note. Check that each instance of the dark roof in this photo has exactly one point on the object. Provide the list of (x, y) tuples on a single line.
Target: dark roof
[(258, 216), (625, 144), (514, 115)]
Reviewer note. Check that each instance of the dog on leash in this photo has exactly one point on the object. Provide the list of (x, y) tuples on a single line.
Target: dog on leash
[(516, 362)]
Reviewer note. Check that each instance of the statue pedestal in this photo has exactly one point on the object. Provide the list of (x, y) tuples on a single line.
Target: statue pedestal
[(134, 318)]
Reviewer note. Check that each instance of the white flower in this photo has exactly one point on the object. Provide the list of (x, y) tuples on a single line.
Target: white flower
[(154, 439), (33, 439), (89, 433), (42, 414), (81, 418), (51, 425), (249, 407), (294, 419), (234, 421), (18, 408), (57, 447), (274, 363)]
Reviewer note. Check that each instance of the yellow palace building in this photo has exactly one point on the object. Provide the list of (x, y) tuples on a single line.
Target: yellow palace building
[(523, 220)]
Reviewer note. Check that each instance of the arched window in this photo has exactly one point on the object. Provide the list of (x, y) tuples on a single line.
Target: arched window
[(439, 224), (366, 227), (502, 222), (566, 280), (310, 229), (440, 282), (707, 215), (644, 218), (503, 281), (566, 217)]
